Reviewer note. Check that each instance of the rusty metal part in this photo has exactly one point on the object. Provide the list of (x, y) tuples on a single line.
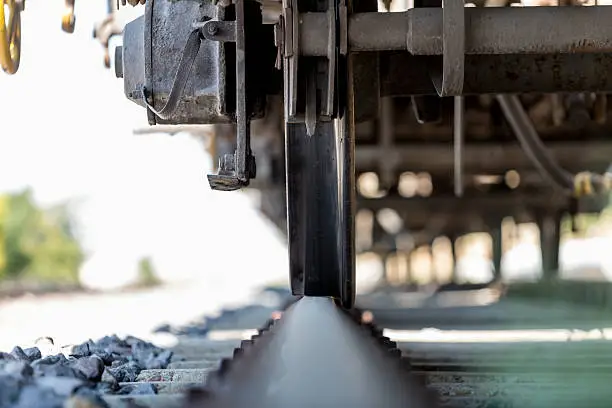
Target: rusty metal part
[(204, 99), (189, 54), (235, 171), (501, 74), (214, 30), (291, 363), (132, 3)]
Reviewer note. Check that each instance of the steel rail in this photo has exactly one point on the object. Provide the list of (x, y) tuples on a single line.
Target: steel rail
[(315, 356)]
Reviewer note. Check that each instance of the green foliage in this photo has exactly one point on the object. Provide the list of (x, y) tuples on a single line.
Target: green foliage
[(36, 244), (146, 274)]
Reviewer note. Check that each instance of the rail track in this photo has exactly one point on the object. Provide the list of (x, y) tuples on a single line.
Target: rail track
[(317, 354)]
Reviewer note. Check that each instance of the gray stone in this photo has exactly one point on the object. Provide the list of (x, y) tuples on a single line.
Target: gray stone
[(148, 401), (6, 356), (82, 350), (33, 396), (19, 354), (144, 352), (57, 365), (119, 362), (19, 369), (91, 367), (161, 360), (108, 377), (106, 388), (126, 372), (107, 340), (120, 349), (137, 389), (107, 357), (211, 363), (131, 341), (9, 389), (62, 386), (50, 360), (168, 387), (33, 353), (86, 398)]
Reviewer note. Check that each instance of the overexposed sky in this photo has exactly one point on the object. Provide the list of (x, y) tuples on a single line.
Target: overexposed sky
[(66, 131)]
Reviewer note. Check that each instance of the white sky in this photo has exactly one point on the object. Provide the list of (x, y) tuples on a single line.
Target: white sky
[(66, 131)]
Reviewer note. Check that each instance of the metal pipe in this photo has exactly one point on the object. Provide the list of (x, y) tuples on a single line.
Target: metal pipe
[(514, 30), (489, 31), (378, 31)]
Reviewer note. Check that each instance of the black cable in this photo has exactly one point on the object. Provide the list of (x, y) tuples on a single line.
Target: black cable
[(532, 145)]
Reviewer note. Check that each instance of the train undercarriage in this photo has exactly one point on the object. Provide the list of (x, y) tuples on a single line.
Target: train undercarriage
[(450, 118)]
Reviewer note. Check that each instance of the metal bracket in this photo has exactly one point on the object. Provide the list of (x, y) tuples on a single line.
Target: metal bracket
[(332, 50), (216, 30), (290, 44), (316, 108), (449, 82), (235, 171)]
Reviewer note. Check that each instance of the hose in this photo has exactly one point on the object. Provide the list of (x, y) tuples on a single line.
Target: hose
[(584, 183)]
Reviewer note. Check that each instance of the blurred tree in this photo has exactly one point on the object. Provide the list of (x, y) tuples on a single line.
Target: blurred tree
[(146, 274), (36, 244), (3, 208)]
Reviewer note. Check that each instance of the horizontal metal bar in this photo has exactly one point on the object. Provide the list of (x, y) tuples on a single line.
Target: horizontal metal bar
[(405, 74), (489, 31), (380, 31), (515, 30), (422, 210), (482, 157), (435, 212)]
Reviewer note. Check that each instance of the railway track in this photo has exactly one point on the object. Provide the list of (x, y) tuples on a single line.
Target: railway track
[(318, 355)]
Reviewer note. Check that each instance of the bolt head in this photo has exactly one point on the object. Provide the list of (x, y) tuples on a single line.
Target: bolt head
[(212, 29)]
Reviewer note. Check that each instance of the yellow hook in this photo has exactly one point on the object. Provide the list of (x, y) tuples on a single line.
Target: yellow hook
[(10, 36)]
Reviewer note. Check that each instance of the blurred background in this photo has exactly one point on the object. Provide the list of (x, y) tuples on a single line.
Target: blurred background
[(100, 221), (96, 221)]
